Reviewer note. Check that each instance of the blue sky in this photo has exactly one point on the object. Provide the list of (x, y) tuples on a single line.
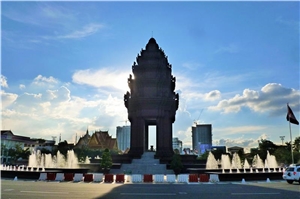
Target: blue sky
[(65, 66)]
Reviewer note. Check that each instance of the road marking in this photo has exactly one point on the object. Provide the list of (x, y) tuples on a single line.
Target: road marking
[(148, 194), (182, 193), (51, 192), (8, 190), (255, 193)]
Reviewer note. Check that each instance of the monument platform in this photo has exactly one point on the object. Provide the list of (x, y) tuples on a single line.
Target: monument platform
[(147, 164)]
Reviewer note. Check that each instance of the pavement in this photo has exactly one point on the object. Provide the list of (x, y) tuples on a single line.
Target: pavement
[(279, 189)]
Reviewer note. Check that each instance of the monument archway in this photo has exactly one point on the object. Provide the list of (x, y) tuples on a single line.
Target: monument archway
[(151, 101)]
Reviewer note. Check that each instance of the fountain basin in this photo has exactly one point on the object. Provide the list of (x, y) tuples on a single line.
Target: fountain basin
[(234, 175), (35, 174), (248, 176)]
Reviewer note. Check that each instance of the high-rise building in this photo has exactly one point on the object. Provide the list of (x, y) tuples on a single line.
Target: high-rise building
[(202, 137), (123, 137), (177, 144)]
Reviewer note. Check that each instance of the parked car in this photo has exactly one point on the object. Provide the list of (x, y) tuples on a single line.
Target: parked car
[(292, 173)]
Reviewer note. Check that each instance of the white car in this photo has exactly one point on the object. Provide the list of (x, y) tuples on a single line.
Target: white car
[(292, 173)]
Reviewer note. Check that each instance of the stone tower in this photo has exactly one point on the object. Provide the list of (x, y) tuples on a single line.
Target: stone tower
[(151, 101)]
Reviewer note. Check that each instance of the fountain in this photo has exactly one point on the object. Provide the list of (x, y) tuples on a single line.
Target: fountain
[(236, 162), (37, 159), (271, 162), (87, 160), (212, 163), (246, 164), (257, 162), (236, 170), (225, 162), (41, 163)]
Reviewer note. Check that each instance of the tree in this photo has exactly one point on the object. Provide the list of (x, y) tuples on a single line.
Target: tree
[(203, 156), (264, 146), (45, 151), (296, 145), (106, 160), (4, 153), (18, 152), (176, 163), (283, 155), (217, 153), (63, 148)]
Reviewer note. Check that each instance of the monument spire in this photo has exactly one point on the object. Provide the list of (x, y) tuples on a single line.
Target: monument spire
[(151, 101)]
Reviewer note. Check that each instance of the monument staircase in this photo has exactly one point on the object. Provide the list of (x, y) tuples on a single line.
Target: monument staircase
[(146, 165)]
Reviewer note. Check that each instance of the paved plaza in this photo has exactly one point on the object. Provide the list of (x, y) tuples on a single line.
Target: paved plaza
[(226, 190)]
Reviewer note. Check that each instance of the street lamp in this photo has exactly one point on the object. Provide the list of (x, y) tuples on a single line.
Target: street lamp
[(282, 138)]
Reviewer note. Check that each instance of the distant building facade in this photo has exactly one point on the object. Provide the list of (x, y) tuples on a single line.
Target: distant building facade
[(202, 137), (98, 140), (177, 144), (219, 148), (10, 141), (83, 141), (235, 149), (123, 137)]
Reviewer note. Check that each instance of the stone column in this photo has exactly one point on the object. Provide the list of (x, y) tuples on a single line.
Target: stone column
[(137, 138), (146, 137), (164, 137)]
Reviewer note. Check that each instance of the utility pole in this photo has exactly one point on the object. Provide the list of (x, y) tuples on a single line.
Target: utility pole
[(282, 138)]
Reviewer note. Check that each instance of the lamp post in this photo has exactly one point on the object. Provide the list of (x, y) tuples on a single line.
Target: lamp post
[(282, 138)]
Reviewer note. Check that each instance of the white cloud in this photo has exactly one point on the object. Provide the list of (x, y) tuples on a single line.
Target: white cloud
[(7, 98), (239, 130), (50, 112), (246, 143), (231, 48), (40, 80), (213, 95), (271, 98), (192, 65), (40, 14), (102, 78), (4, 81), (84, 32), (291, 23), (60, 95), (22, 86)]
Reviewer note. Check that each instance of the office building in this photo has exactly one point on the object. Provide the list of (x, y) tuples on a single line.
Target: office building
[(123, 137), (202, 138)]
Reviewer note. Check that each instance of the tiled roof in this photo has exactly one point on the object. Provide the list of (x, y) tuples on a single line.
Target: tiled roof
[(99, 140)]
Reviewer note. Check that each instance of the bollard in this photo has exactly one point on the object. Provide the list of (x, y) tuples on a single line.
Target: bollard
[(69, 176), (88, 177), (98, 177), (193, 178), (108, 178), (51, 176), (59, 177), (78, 177), (204, 178), (120, 178), (148, 178)]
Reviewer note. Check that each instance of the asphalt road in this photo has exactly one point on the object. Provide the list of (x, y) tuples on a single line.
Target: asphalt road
[(230, 190)]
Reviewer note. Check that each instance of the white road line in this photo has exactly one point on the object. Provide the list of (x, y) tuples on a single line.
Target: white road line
[(51, 192), (255, 193), (148, 194)]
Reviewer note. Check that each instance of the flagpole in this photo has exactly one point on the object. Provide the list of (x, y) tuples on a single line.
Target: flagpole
[(291, 141)]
